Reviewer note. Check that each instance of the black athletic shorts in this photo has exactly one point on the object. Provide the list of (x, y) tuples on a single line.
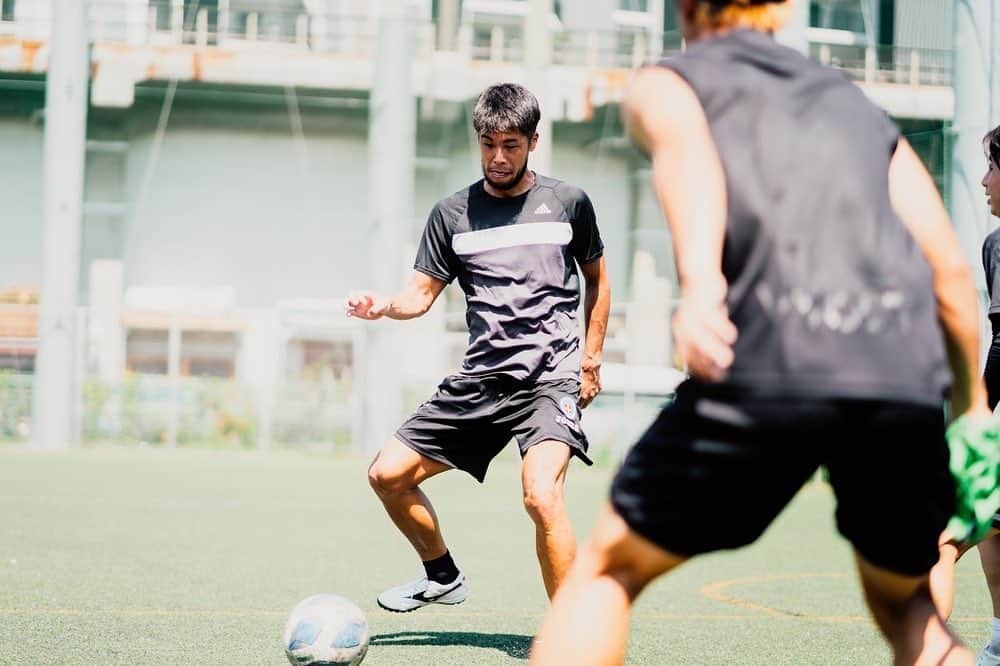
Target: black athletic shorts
[(469, 420), (717, 466)]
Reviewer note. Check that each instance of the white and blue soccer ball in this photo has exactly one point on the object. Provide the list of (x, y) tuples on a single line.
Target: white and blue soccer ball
[(326, 630)]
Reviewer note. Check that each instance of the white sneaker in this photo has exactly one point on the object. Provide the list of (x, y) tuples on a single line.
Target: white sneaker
[(988, 658), (421, 592)]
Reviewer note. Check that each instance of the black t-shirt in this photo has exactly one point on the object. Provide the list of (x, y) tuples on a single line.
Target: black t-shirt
[(515, 259), (831, 295), (991, 266)]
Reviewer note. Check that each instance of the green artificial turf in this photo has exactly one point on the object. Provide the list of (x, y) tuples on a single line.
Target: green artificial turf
[(141, 556)]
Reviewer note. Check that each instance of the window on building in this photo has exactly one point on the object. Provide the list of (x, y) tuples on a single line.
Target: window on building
[(319, 359), (191, 12), (163, 14), (670, 22), (846, 15), (208, 354), (18, 329), (277, 22), (887, 22), (6, 10), (17, 360), (189, 17), (634, 5), (929, 139), (146, 351)]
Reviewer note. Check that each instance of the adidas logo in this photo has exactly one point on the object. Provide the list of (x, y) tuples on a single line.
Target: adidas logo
[(543, 210)]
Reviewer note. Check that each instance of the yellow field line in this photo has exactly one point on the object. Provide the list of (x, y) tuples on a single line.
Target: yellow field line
[(716, 592), (160, 612), (651, 615), (138, 612)]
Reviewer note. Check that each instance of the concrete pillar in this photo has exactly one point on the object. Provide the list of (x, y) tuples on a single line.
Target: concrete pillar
[(447, 21), (65, 138), (392, 153), (537, 56)]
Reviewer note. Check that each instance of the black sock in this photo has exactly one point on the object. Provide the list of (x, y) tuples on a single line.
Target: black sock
[(442, 569)]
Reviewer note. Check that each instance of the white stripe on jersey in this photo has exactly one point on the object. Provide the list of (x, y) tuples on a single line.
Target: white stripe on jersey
[(512, 235)]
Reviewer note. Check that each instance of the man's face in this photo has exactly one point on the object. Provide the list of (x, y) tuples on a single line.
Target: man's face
[(505, 157), (991, 183)]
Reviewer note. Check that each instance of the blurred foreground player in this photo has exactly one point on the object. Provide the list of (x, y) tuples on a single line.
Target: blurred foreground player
[(823, 298)]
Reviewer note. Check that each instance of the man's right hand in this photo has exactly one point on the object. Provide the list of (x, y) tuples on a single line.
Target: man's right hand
[(703, 332), (975, 408), (366, 305)]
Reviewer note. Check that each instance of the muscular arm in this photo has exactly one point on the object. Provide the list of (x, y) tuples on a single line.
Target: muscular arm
[(665, 119), (414, 300), (596, 307), (916, 201)]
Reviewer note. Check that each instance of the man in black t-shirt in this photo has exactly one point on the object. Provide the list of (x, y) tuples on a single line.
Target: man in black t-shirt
[(943, 576), (513, 240), (991, 265), (989, 549)]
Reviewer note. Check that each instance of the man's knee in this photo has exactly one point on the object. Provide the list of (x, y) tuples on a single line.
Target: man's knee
[(605, 559), (542, 479), (616, 552), (543, 500), (388, 479), (387, 483)]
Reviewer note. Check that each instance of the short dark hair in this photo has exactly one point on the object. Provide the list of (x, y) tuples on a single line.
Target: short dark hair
[(991, 144), (506, 107)]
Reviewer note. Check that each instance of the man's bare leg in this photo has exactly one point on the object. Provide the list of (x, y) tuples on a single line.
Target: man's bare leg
[(543, 476), (395, 476), (589, 620), (906, 615), (989, 557), (942, 576)]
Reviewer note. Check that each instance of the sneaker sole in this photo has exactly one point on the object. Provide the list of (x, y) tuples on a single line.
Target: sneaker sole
[(410, 610)]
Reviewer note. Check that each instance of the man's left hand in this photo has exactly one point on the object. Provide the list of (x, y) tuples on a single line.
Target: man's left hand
[(590, 382)]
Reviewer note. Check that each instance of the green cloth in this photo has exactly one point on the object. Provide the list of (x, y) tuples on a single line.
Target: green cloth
[(975, 464)]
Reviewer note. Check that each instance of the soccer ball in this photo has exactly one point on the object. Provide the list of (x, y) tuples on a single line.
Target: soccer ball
[(326, 629)]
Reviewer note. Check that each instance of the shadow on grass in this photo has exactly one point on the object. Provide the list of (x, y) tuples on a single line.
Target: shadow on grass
[(513, 645)]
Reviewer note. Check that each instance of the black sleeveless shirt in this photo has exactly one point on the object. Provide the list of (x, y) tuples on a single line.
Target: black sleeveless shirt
[(830, 293)]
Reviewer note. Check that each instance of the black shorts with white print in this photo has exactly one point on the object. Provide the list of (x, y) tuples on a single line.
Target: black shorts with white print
[(469, 420)]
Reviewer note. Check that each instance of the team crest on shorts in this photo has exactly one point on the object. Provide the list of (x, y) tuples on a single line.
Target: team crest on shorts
[(568, 406)]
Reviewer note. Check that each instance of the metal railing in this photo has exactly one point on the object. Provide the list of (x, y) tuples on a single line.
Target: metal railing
[(621, 48), (887, 64), (167, 22), (234, 26)]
